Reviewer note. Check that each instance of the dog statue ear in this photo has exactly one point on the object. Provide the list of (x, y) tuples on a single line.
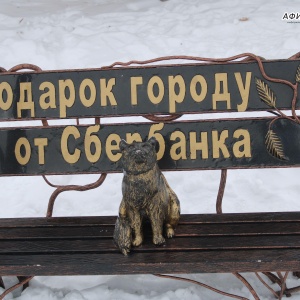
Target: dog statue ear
[(152, 141), (123, 145)]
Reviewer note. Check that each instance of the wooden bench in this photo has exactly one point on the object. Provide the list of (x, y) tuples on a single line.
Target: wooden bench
[(204, 243), (257, 242)]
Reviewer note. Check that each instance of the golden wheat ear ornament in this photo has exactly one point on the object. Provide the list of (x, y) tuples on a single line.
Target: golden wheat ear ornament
[(272, 140)]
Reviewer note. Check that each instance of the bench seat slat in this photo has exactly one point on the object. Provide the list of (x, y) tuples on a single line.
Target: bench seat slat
[(158, 262), (190, 218), (183, 230), (180, 243)]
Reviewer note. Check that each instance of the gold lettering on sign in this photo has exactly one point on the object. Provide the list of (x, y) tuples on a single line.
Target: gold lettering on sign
[(176, 97), (66, 101), (87, 84), (242, 148), (41, 143), (47, 100), (218, 143), (23, 143), (221, 90), (25, 94), (155, 80), (71, 158), (241, 145), (7, 103), (244, 89), (134, 82), (199, 146), (112, 147), (91, 138), (106, 92), (153, 131), (198, 79), (178, 149)]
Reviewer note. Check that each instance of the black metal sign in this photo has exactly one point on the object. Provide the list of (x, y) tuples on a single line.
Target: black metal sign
[(172, 89), (182, 145)]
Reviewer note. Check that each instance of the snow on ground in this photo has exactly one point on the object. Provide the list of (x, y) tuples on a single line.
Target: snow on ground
[(61, 34)]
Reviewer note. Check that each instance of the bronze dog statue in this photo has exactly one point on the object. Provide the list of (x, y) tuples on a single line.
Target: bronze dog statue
[(146, 193)]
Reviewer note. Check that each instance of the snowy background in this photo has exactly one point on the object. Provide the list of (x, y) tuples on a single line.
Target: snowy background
[(62, 34)]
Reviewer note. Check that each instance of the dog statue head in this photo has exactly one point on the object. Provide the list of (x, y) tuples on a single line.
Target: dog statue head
[(138, 157)]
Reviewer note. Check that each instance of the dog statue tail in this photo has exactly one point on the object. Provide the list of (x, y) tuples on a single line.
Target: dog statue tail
[(123, 235)]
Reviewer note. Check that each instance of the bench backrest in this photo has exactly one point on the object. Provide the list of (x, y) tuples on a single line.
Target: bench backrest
[(152, 91)]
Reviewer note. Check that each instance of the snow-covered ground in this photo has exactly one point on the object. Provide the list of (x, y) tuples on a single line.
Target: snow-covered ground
[(62, 34)]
